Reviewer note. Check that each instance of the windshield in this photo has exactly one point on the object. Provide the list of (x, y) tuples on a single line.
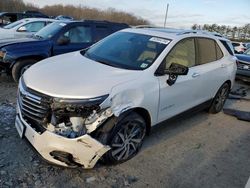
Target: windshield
[(127, 50), (50, 30), (12, 25)]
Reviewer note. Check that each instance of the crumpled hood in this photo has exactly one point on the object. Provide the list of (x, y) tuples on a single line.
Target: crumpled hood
[(10, 41), (243, 57), (74, 76)]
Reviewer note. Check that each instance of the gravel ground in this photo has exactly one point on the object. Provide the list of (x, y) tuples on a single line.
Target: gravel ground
[(201, 150)]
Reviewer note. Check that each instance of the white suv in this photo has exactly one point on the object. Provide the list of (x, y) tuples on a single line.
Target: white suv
[(100, 102), (24, 28), (239, 47)]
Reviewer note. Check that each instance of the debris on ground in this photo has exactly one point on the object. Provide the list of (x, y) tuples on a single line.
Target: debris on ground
[(90, 179), (239, 94), (241, 115)]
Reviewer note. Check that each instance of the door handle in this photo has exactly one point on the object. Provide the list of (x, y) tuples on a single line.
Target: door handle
[(195, 75)]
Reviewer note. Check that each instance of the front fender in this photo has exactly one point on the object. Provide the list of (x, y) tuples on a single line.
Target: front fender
[(140, 93), (21, 51)]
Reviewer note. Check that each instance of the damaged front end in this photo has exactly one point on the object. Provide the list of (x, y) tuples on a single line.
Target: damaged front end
[(74, 118), (61, 129)]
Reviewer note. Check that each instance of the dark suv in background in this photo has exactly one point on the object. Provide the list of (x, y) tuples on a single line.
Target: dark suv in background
[(9, 17), (17, 55)]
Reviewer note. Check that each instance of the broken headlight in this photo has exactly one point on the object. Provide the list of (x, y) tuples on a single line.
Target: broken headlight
[(70, 116), (77, 107)]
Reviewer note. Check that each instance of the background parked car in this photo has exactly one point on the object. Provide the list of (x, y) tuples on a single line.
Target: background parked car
[(34, 14), (10, 17), (243, 66), (24, 28), (239, 47), (17, 55)]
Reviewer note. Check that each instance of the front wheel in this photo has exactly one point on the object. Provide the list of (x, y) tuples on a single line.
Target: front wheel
[(20, 67), (126, 139), (219, 99)]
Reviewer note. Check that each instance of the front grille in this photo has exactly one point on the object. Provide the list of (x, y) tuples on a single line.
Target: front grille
[(243, 66), (33, 106)]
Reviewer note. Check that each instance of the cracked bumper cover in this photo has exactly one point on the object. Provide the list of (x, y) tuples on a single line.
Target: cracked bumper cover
[(85, 150)]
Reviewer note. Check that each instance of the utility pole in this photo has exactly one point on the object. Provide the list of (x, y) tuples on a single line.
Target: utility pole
[(166, 16)]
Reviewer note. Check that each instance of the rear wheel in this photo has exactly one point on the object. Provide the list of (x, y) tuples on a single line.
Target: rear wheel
[(219, 99), (20, 67), (126, 139)]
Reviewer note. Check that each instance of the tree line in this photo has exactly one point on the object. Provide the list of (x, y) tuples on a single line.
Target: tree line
[(235, 33), (77, 12)]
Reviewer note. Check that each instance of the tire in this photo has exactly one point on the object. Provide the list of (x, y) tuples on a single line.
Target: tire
[(20, 67), (125, 139), (219, 99)]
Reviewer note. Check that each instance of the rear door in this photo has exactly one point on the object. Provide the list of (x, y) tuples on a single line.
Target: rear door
[(210, 69), (80, 37)]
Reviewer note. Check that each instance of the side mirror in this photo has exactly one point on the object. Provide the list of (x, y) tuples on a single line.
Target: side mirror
[(177, 69), (63, 40), (173, 71), (22, 29)]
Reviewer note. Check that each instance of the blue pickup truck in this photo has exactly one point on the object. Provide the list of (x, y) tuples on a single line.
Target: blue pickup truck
[(17, 55)]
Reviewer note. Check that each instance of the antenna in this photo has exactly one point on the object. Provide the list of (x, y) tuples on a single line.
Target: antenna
[(166, 15)]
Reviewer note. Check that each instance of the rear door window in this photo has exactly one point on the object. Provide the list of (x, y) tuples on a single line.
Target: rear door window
[(207, 51)]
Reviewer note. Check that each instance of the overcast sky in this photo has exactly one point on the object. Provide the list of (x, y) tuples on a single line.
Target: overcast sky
[(182, 13)]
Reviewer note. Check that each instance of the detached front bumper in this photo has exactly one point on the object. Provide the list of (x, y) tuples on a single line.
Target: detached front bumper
[(82, 151)]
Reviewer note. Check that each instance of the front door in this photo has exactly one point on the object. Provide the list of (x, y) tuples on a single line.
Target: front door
[(182, 95)]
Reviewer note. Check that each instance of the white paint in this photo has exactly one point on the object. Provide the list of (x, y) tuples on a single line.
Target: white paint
[(248, 183)]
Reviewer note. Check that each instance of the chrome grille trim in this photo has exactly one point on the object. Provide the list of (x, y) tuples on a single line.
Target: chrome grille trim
[(32, 106)]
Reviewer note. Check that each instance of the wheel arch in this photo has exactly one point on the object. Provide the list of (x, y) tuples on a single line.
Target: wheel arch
[(35, 57), (143, 113), (229, 82)]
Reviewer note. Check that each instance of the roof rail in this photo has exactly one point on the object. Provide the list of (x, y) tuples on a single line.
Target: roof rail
[(146, 26), (187, 32), (201, 32)]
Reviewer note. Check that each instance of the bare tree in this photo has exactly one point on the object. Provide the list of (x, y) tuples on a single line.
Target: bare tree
[(78, 12)]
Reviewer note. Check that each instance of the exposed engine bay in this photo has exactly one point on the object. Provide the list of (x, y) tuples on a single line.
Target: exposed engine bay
[(75, 125)]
